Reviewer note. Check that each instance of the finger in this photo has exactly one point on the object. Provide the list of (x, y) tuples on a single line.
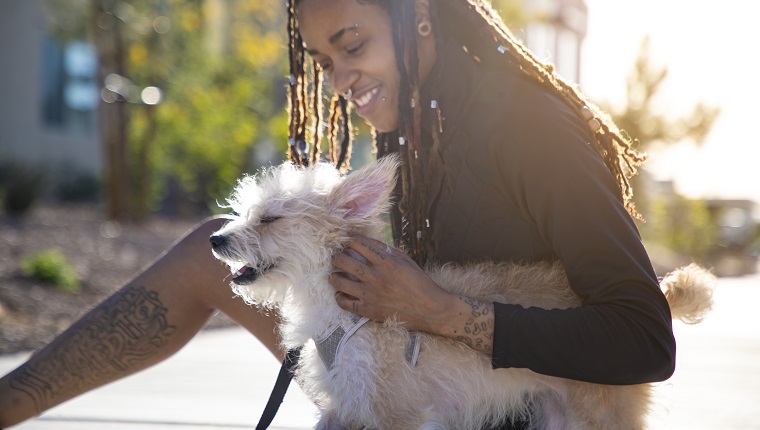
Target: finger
[(349, 265), (373, 250), (347, 286), (347, 302)]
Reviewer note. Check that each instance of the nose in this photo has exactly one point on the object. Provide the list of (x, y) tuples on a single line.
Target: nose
[(343, 78), (216, 240)]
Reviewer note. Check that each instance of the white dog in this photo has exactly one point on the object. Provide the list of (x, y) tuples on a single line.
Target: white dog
[(363, 374)]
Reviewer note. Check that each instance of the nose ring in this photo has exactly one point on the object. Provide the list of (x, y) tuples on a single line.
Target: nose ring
[(347, 95)]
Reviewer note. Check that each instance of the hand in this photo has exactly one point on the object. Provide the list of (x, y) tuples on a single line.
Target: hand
[(388, 284), (381, 282)]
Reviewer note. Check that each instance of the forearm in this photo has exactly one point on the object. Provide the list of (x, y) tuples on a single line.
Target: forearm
[(604, 345), (466, 320), (130, 331)]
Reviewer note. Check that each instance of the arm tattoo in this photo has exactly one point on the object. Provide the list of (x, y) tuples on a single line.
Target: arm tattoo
[(116, 337), (478, 330)]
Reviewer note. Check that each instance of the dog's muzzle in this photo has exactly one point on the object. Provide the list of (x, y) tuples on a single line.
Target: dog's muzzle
[(246, 274)]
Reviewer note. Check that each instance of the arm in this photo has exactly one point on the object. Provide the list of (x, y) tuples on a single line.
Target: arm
[(390, 284), (622, 333), (143, 323)]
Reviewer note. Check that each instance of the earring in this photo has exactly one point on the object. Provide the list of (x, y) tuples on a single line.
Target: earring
[(347, 95), (424, 28)]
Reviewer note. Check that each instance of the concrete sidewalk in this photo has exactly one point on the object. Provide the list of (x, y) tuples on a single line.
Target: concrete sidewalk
[(222, 379)]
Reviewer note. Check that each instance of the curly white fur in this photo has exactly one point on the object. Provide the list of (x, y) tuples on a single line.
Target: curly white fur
[(289, 224)]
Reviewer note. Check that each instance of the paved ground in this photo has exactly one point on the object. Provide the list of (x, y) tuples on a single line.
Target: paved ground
[(222, 379)]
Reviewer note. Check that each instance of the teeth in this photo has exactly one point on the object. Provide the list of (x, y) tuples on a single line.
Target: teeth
[(363, 100), (239, 271)]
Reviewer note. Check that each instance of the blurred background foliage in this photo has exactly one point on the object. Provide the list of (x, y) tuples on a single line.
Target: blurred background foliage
[(216, 69), (688, 227)]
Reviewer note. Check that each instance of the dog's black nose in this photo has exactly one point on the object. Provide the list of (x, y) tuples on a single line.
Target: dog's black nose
[(216, 240)]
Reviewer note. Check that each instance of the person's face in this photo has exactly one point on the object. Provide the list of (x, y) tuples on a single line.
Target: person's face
[(353, 43)]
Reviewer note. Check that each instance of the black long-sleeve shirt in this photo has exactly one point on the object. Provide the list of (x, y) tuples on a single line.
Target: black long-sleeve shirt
[(518, 179)]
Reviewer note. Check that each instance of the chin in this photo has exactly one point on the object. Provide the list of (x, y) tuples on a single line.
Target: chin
[(384, 127)]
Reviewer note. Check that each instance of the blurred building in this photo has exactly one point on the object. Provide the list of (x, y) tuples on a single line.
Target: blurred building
[(555, 31), (48, 94)]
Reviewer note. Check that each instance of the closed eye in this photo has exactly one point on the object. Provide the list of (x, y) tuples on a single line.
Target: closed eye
[(354, 49), (269, 219)]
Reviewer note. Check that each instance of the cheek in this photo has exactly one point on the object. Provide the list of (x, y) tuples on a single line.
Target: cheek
[(390, 121)]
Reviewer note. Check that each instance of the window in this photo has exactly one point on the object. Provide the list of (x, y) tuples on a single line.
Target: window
[(69, 90), (568, 51)]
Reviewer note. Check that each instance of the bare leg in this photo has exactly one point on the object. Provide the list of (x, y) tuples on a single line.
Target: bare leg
[(146, 321)]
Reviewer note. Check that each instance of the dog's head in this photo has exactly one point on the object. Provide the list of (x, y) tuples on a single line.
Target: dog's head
[(288, 222)]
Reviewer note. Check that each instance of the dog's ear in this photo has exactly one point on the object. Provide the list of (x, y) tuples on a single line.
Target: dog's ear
[(366, 192)]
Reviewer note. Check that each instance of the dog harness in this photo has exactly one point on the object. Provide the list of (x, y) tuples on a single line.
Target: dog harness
[(331, 343)]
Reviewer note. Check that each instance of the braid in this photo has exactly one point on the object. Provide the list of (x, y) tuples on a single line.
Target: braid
[(615, 147), (316, 107), (340, 137), (298, 108), (413, 202), (296, 96)]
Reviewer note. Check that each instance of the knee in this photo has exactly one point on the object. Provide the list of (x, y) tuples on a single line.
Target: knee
[(195, 245), (201, 233), (210, 225)]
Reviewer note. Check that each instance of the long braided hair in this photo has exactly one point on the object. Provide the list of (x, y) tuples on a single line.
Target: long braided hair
[(481, 32), (305, 100)]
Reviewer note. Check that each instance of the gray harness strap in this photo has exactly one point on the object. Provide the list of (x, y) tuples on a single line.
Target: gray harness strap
[(331, 343)]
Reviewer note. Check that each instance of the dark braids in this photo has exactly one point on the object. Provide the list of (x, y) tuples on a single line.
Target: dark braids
[(480, 31), (297, 150), (339, 130), (615, 147), (413, 199), (304, 98)]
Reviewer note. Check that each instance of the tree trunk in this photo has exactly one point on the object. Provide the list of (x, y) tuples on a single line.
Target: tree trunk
[(113, 117)]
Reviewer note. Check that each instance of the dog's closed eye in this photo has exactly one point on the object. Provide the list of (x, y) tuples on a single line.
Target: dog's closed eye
[(269, 219)]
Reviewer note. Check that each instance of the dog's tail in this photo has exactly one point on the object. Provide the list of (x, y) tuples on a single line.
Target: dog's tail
[(689, 293)]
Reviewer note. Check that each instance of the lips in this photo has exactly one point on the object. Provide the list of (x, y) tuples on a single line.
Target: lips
[(366, 100), (248, 275)]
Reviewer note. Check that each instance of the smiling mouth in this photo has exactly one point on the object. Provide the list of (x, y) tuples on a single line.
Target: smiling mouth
[(247, 275), (366, 98)]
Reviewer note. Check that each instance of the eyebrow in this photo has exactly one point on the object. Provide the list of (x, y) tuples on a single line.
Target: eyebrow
[(335, 38)]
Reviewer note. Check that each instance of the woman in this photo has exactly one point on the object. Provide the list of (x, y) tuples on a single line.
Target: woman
[(500, 164), (502, 161)]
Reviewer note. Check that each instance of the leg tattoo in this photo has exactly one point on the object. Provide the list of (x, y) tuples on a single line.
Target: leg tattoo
[(116, 337)]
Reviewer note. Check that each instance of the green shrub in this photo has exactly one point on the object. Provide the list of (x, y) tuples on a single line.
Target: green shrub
[(22, 185), (78, 186), (681, 225), (52, 266)]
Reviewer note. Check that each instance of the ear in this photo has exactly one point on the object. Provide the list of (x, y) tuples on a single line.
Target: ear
[(367, 191)]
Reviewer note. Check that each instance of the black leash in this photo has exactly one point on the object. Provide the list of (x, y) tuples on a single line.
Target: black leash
[(280, 388)]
